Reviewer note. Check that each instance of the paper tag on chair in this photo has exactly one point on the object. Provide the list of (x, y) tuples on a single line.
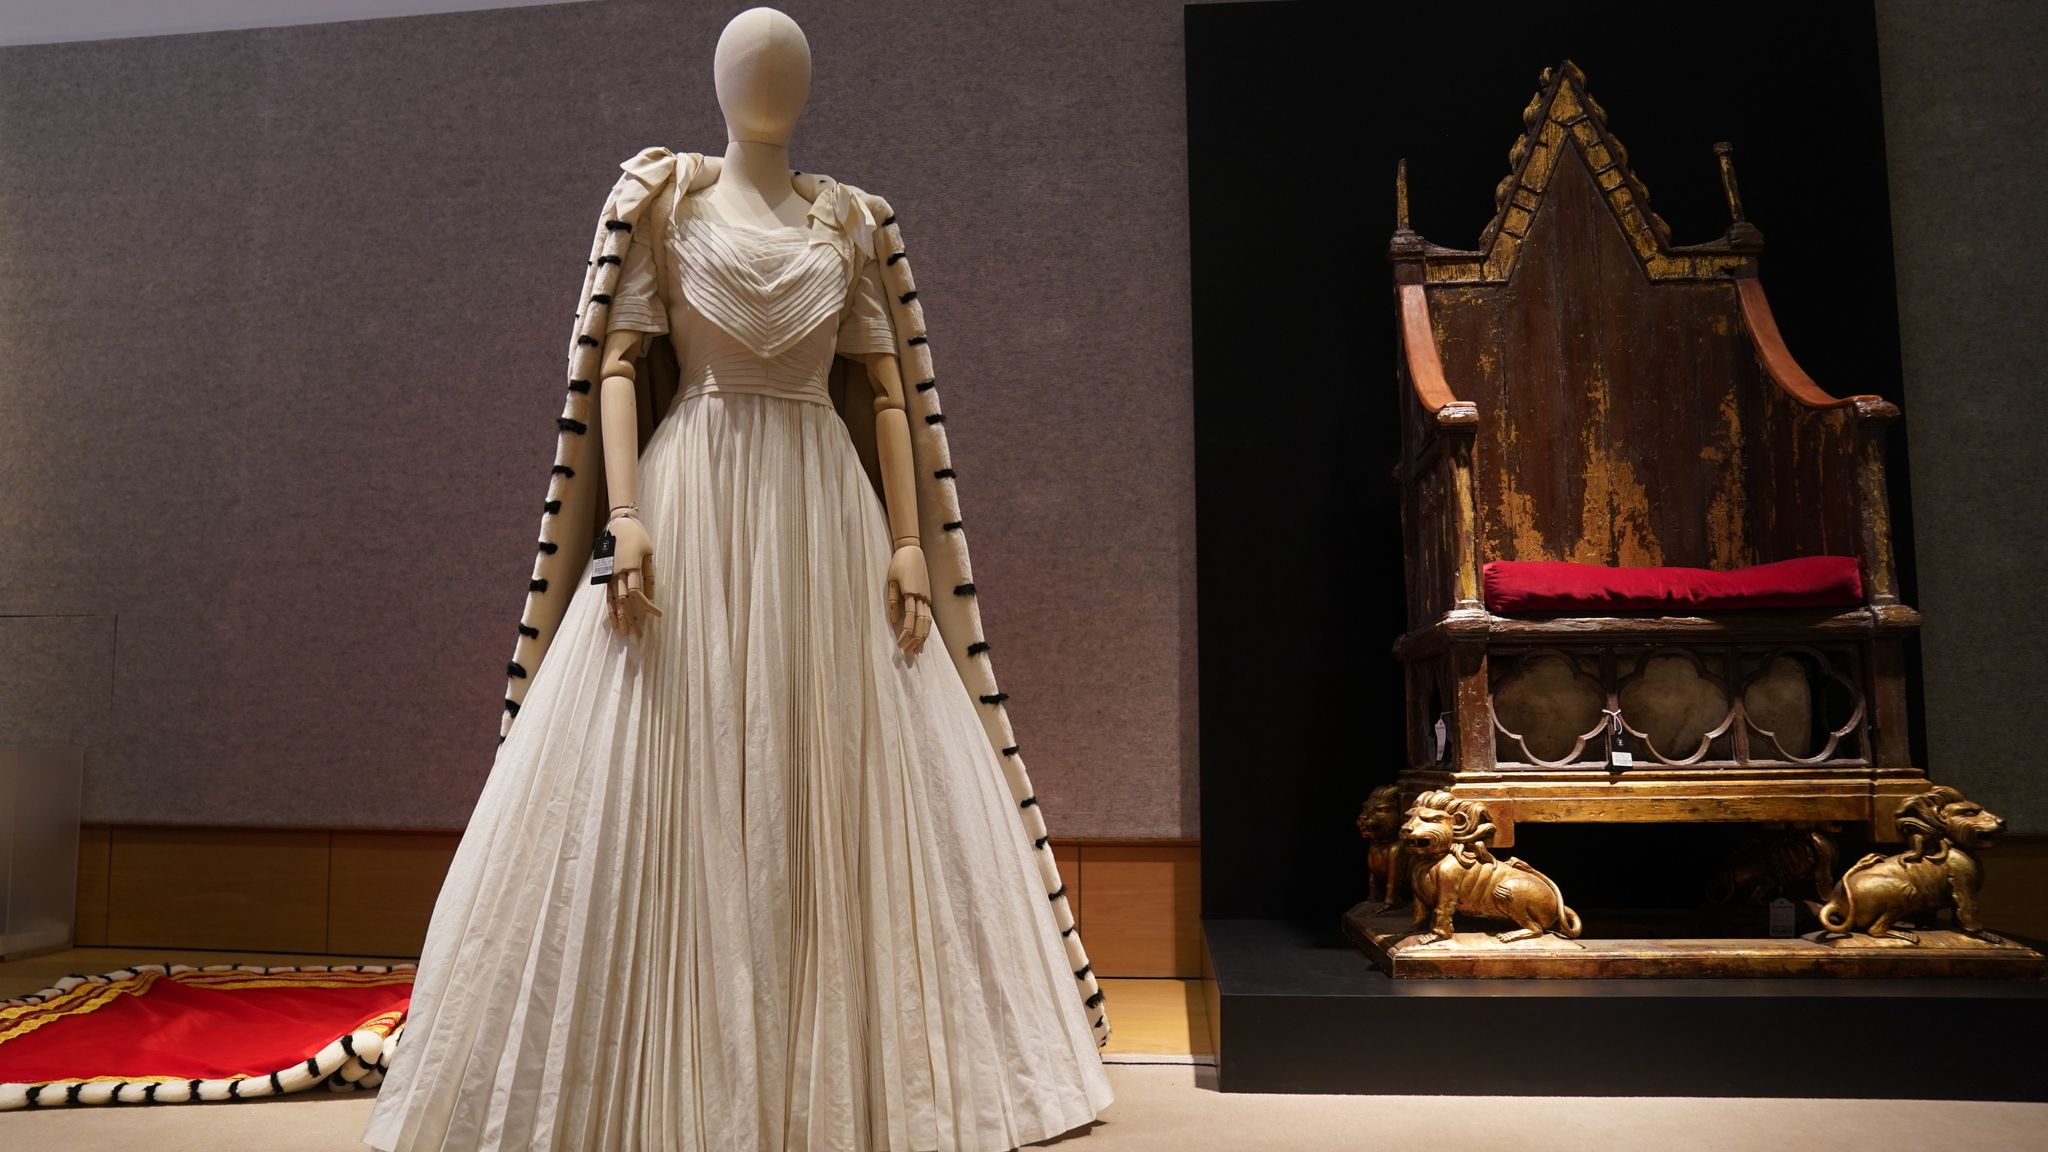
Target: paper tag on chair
[(1618, 756), (1443, 737), (1781, 919)]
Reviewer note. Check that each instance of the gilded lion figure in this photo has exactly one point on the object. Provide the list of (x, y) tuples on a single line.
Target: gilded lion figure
[(1944, 832), (1446, 842), (1379, 822)]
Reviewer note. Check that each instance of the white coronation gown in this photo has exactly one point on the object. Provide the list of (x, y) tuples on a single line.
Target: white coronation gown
[(752, 882)]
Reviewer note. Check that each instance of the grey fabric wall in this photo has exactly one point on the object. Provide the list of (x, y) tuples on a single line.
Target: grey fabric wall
[(281, 315), (1964, 104), (281, 322)]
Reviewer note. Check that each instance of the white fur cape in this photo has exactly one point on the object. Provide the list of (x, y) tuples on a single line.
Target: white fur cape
[(569, 522)]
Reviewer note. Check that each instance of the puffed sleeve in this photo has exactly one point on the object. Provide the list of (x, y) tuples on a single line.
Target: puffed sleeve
[(637, 303), (864, 324)]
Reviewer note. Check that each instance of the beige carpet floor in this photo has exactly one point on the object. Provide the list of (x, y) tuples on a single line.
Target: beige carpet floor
[(1175, 1109)]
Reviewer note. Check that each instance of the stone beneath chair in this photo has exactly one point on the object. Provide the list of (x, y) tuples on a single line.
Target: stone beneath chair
[(1514, 586)]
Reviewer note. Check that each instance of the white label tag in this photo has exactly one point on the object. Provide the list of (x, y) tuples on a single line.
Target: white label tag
[(1622, 759), (1443, 737), (601, 567), (1781, 918)]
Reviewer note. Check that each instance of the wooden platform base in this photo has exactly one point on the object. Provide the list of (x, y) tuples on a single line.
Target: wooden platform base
[(1299, 1008), (1385, 936)]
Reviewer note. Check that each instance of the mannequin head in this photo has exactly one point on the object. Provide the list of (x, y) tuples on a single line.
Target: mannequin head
[(763, 73)]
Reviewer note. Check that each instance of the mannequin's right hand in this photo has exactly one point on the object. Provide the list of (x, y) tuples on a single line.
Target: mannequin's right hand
[(629, 595)]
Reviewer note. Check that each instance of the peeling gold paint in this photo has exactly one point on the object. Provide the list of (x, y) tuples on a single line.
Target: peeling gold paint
[(1614, 513), (1566, 107), (1518, 512), (1728, 545), (1516, 526), (1536, 177)]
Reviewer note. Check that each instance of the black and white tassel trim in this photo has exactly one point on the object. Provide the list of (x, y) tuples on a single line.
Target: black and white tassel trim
[(905, 308), (607, 265), (354, 1060)]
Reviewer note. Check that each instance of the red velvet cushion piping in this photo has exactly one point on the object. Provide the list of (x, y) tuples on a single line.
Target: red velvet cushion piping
[(1553, 586)]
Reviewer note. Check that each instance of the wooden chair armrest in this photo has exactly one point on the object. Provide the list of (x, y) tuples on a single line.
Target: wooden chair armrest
[(1873, 513), (1425, 367), (1455, 425), (1784, 370)]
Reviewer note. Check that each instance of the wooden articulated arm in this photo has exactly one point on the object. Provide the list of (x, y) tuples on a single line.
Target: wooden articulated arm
[(1461, 417), (1871, 414)]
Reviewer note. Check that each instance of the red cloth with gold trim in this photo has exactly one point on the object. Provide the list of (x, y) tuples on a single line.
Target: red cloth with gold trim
[(163, 1034)]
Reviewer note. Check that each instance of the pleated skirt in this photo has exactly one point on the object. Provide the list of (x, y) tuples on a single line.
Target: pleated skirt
[(752, 882)]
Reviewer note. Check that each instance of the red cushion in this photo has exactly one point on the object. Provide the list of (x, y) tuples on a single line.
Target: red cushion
[(1554, 586)]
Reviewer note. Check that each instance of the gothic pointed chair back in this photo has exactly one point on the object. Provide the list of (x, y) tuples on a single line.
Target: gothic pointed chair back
[(1649, 562)]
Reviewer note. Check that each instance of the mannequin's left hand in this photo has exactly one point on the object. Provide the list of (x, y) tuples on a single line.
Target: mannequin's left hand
[(910, 599)]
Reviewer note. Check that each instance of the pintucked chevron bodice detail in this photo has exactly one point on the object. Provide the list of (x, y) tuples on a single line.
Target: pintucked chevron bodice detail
[(766, 288), (757, 310)]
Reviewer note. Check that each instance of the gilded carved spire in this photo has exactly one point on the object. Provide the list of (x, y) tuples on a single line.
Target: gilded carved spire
[(1564, 116)]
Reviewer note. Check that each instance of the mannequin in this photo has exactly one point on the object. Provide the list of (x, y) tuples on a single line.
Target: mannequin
[(749, 874), (763, 75)]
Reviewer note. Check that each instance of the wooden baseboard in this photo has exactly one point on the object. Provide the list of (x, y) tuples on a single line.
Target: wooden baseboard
[(259, 889), (346, 891), (1142, 910)]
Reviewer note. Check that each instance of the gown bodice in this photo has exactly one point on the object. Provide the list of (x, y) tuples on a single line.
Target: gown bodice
[(754, 310)]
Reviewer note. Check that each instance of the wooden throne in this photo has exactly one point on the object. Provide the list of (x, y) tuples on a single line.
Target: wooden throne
[(1580, 390)]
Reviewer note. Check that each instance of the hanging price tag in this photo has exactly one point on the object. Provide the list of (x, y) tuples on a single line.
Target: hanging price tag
[(1781, 919), (601, 559)]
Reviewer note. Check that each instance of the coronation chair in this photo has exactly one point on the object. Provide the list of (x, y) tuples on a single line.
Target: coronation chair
[(1649, 560)]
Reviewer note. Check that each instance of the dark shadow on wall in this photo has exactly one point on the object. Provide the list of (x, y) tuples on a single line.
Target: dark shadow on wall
[(1297, 114)]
